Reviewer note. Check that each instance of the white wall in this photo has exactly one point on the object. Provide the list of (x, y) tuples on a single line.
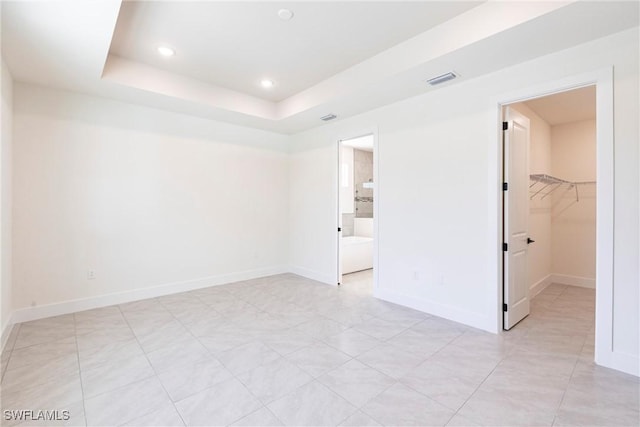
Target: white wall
[(6, 116), (433, 209), (143, 197), (573, 158), (539, 209)]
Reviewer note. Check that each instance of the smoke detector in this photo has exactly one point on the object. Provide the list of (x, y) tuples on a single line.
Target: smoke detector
[(285, 14)]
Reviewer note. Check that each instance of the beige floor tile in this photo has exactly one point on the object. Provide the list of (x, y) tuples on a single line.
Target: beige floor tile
[(186, 380), (222, 404), (312, 405), (115, 374), (391, 360), (356, 382), (126, 403), (222, 353), (273, 380), (167, 416), (263, 417), (318, 359), (401, 406)]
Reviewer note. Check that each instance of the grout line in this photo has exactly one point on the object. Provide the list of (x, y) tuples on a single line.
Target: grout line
[(301, 300), (152, 368), (75, 336), (212, 354), (10, 351)]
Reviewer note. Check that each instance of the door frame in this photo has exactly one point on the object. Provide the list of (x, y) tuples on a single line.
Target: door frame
[(603, 80), (376, 192)]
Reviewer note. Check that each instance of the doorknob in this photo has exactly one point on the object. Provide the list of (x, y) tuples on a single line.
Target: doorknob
[(530, 240)]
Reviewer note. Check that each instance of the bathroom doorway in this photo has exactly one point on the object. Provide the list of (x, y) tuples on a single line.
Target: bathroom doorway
[(356, 191)]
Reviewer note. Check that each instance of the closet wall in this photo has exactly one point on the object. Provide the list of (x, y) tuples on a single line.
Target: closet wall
[(540, 209), (573, 225)]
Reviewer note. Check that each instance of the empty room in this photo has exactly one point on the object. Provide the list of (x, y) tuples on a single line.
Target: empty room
[(310, 213)]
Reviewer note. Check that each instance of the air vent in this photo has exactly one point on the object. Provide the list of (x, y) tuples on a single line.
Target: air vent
[(328, 117), (443, 78)]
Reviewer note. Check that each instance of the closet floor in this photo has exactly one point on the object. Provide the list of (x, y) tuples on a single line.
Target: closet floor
[(285, 350)]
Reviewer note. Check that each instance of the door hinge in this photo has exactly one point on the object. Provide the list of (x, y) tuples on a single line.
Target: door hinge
[(505, 125), (504, 307), (339, 229), (505, 247), (505, 186)]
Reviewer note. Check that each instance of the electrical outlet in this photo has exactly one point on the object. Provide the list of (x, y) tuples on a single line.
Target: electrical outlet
[(91, 274)]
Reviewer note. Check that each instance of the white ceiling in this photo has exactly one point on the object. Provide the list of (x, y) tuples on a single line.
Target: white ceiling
[(65, 44), (236, 44), (364, 143), (566, 107)]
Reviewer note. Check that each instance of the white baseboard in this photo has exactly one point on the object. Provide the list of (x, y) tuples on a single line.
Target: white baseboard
[(313, 275), (539, 286), (451, 313), (66, 307), (583, 282), (627, 363)]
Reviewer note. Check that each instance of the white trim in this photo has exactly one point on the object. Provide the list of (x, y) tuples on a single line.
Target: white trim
[(376, 210), (603, 79), (565, 279), (81, 304), (313, 275), (467, 318), (376, 197), (539, 286), (339, 211)]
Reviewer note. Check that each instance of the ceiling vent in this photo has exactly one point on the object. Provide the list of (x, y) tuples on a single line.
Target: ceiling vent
[(328, 117), (443, 78)]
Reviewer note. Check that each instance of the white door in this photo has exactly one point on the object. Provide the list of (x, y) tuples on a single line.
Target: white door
[(516, 218)]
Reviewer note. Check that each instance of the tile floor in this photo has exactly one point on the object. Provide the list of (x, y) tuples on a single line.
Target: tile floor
[(285, 350)]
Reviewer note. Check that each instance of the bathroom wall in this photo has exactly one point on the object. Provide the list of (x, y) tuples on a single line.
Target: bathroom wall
[(363, 172), (348, 226), (347, 205)]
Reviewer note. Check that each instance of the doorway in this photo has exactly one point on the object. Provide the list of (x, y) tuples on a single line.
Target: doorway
[(551, 166), (356, 214)]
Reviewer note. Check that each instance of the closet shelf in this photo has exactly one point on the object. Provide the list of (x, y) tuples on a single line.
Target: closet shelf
[(544, 185)]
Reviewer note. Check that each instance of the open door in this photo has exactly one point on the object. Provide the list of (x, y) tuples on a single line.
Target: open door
[(516, 218)]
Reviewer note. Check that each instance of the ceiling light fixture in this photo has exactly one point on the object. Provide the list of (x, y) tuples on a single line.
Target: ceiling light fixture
[(266, 83), (442, 78), (166, 51), (285, 14)]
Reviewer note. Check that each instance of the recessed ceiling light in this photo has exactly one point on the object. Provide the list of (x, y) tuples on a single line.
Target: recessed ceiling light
[(166, 51), (266, 83), (285, 14)]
